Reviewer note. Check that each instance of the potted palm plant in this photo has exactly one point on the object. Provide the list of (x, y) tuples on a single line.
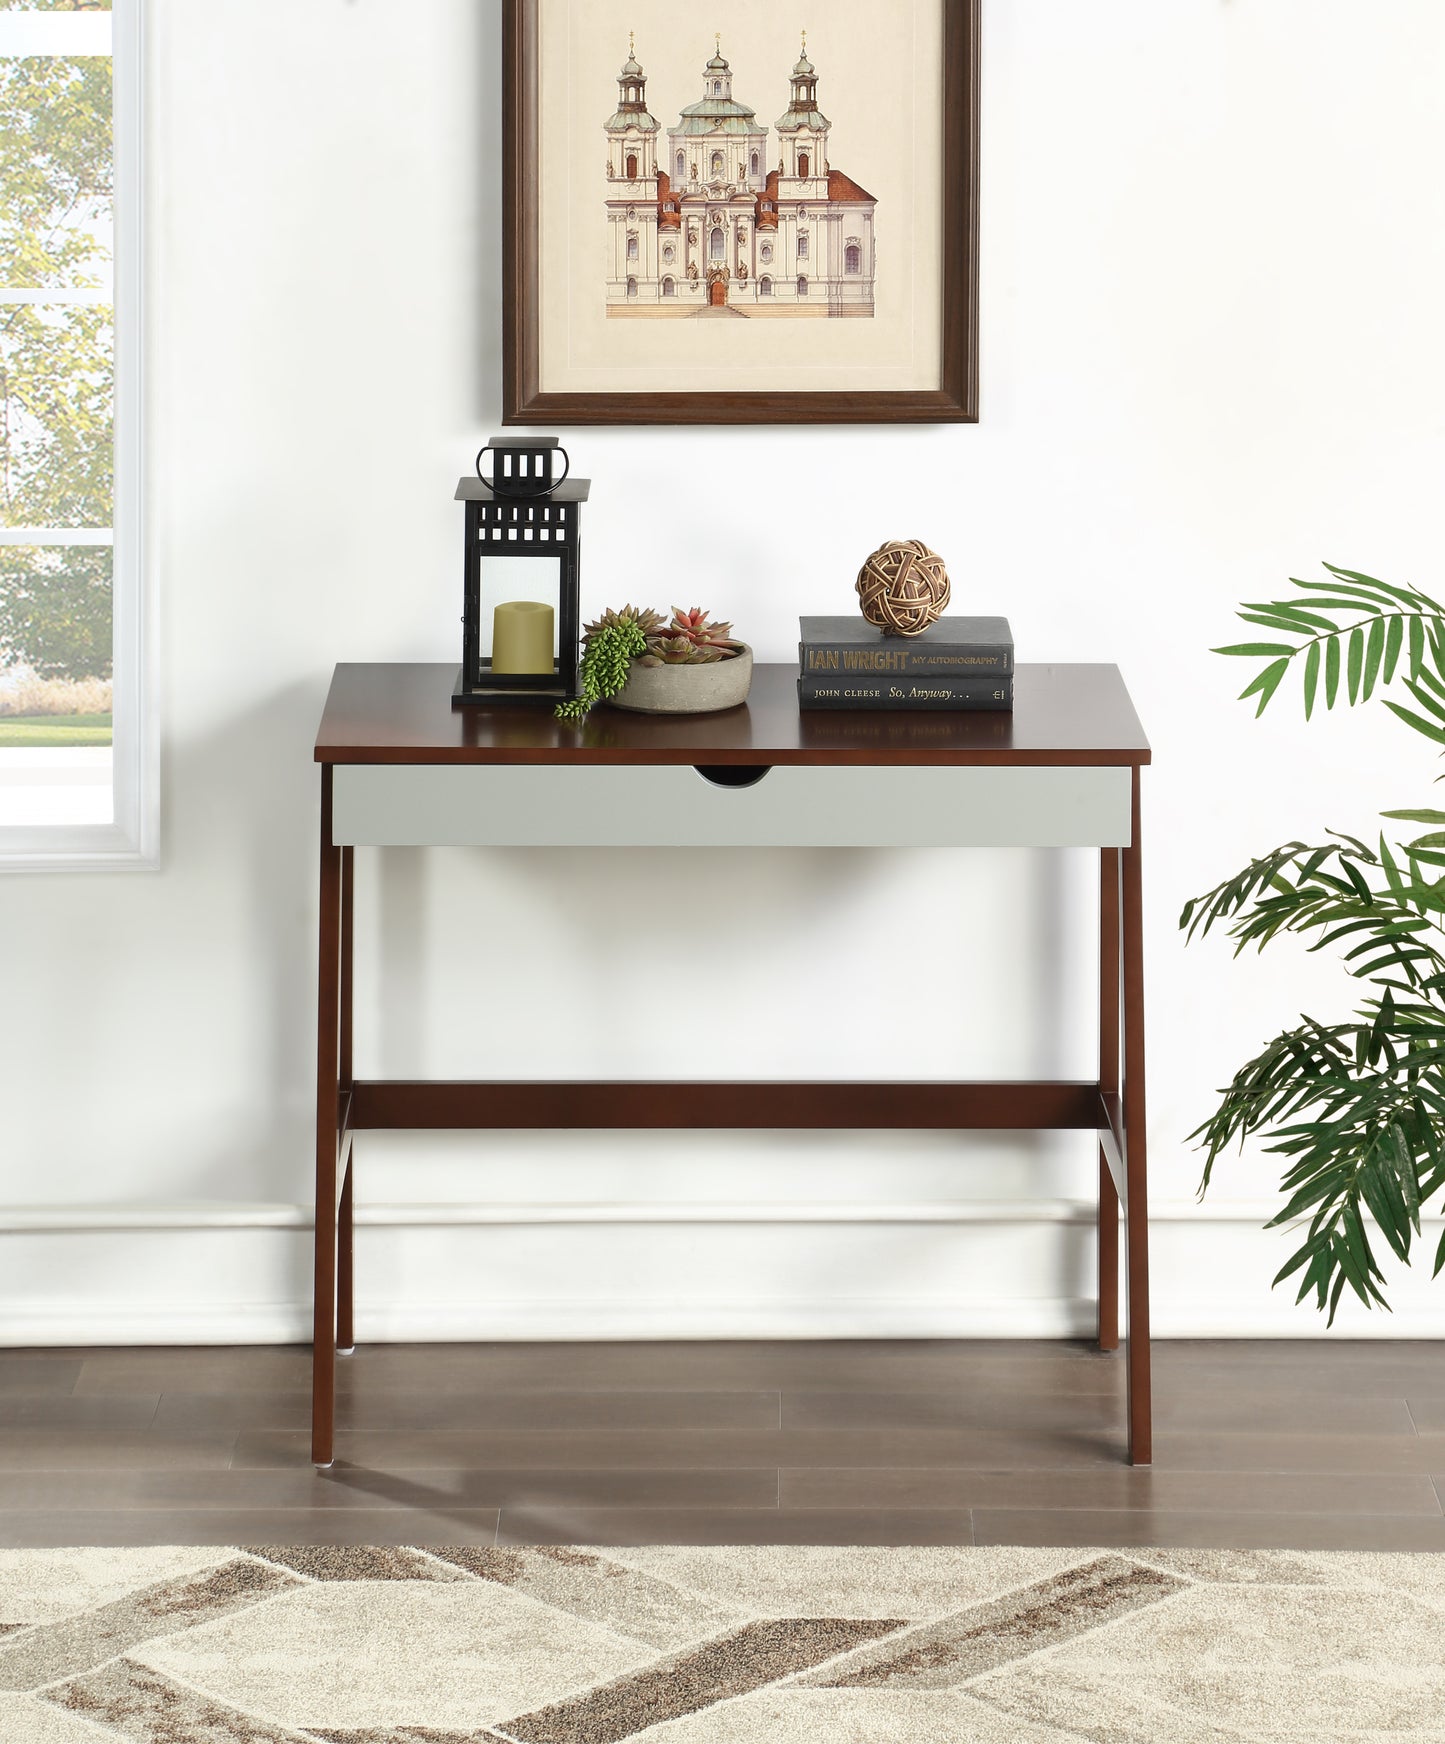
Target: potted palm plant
[(1356, 1106)]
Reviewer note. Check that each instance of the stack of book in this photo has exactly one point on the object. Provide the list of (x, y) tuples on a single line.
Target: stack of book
[(958, 663)]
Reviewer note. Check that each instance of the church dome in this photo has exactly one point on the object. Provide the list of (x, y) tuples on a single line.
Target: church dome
[(632, 115), (803, 120), (718, 112), (718, 115), (626, 120)]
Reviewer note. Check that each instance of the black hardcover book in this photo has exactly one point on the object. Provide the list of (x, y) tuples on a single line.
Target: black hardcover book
[(958, 646), (891, 691)]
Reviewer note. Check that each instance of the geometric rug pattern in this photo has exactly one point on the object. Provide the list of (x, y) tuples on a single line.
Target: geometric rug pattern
[(674, 1645)]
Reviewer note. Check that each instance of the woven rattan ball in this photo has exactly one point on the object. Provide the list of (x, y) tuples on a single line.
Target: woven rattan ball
[(903, 587)]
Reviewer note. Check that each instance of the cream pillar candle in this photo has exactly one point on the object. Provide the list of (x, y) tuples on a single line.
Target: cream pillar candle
[(522, 638)]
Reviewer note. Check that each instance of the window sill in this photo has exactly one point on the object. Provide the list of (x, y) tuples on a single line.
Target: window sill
[(75, 848)]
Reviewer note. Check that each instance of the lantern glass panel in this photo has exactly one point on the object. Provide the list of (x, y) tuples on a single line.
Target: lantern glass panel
[(519, 615)]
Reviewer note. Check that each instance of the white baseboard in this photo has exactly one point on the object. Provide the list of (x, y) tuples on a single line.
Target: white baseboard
[(565, 1319), (579, 1320), (55, 1219), (240, 1274)]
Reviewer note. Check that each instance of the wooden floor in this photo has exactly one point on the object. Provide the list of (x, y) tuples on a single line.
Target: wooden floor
[(1319, 1444)]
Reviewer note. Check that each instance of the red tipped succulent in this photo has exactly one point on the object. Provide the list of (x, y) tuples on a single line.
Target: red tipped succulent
[(691, 639)]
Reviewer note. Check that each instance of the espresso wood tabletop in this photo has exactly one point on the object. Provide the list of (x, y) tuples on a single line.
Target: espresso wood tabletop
[(1063, 714)]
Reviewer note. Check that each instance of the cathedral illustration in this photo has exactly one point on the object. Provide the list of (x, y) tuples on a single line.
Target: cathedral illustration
[(701, 223)]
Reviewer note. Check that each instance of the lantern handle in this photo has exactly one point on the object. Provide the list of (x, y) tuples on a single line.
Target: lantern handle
[(555, 484)]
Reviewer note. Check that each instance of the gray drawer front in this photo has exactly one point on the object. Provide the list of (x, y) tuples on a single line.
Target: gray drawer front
[(411, 805)]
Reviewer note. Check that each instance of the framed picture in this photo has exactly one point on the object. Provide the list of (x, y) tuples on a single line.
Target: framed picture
[(720, 217)]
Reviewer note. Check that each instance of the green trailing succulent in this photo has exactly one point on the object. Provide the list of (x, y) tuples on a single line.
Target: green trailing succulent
[(608, 649), (639, 633), (1357, 1108), (646, 620)]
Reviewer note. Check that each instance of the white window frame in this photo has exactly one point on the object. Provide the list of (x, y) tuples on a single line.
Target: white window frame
[(132, 841)]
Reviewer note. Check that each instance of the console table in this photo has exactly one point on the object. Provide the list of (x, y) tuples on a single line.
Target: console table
[(401, 768)]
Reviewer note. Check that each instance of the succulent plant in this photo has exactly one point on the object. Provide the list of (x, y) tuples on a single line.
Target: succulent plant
[(691, 639), (647, 620), (609, 648), (639, 633), (678, 651)]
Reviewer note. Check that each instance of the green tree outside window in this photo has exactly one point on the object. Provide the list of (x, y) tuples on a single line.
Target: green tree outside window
[(56, 361)]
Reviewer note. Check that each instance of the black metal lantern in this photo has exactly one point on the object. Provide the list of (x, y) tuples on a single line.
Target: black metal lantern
[(521, 613)]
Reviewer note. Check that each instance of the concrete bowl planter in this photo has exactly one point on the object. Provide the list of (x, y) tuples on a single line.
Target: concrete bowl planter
[(687, 690)]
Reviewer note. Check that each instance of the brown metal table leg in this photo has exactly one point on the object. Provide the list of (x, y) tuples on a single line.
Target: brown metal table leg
[(1109, 1085), (328, 992), (1136, 1209), (345, 1304)]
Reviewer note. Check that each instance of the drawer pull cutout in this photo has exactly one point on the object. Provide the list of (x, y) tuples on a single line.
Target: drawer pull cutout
[(733, 774)]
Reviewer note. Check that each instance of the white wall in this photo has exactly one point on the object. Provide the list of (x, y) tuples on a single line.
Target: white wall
[(1213, 248)]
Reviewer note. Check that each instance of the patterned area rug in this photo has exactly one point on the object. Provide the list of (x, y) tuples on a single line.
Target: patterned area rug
[(727, 1646)]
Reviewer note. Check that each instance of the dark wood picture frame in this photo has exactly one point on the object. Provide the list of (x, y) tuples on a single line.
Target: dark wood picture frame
[(954, 401)]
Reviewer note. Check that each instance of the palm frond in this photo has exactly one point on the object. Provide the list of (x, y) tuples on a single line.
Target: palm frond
[(1358, 1109), (1351, 631)]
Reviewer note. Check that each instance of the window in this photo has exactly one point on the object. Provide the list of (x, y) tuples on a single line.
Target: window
[(669, 287), (632, 287), (717, 87), (718, 246), (682, 166), (766, 254), (753, 164), (668, 256), (717, 163), (632, 166), (853, 258), (632, 248), (77, 765), (765, 287), (805, 164), (802, 287), (802, 245)]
